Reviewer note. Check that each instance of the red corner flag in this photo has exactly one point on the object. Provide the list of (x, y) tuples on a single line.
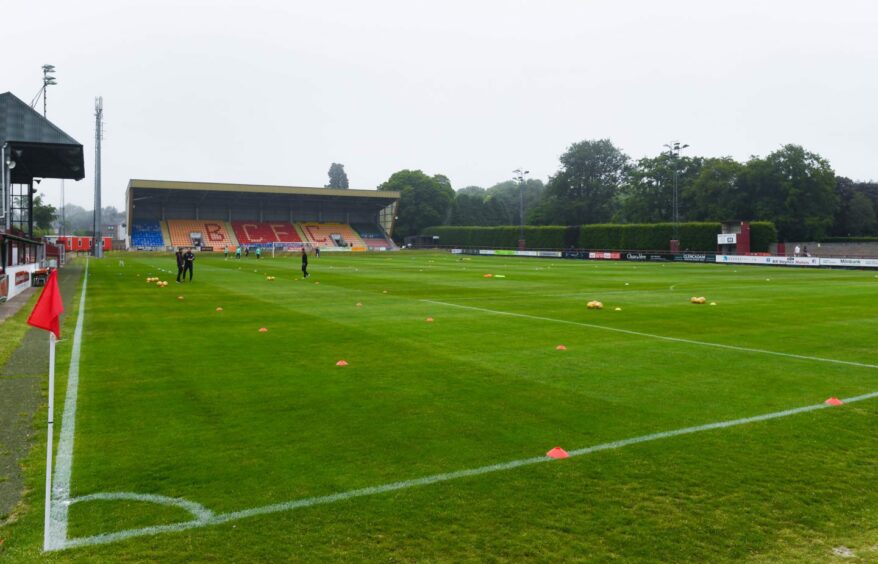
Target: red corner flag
[(49, 307)]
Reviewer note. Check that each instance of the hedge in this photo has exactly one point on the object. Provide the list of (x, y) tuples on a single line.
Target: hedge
[(762, 235), (694, 236), (700, 236)]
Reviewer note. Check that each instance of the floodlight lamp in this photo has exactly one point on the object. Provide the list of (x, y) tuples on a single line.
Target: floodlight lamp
[(10, 164), (49, 68)]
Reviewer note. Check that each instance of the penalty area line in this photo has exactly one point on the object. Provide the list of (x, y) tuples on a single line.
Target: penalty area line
[(655, 336), (204, 518)]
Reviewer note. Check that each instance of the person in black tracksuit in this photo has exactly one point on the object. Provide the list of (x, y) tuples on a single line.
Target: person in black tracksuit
[(304, 263), (189, 257), (181, 263)]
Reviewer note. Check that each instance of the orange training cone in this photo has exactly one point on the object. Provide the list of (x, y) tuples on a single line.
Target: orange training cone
[(834, 401), (560, 348), (429, 320), (219, 309), (341, 363), (263, 329), (557, 453)]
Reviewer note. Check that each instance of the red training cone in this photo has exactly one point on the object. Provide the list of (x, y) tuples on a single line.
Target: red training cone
[(560, 348), (557, 453), (834, 401), (341, 363)]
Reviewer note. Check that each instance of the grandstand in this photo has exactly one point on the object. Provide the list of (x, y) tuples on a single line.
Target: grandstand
[(211, 216)]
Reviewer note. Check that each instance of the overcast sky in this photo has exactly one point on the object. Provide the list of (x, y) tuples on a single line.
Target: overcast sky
[(272, 92)]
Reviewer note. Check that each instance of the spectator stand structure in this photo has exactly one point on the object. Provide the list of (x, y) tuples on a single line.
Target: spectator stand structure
[(211, 216), (31, 148)]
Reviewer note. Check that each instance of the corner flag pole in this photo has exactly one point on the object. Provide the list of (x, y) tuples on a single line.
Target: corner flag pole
[(50, 436), (46, 315)]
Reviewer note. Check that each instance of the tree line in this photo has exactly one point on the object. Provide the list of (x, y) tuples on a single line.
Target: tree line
[(597, 182), (78, 221)]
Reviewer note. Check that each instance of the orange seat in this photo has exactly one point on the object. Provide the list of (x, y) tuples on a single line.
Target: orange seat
[(321, 234), (213, 233)]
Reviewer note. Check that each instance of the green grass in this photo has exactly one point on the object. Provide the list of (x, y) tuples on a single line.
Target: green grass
[(179, 400)]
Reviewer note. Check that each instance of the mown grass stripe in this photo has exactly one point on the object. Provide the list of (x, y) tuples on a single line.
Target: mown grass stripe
[(221, 518)]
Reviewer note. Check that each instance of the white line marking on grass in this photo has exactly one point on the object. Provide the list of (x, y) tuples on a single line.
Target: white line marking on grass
[(209, 520), (654, 336), (198, 511), (64, 460)]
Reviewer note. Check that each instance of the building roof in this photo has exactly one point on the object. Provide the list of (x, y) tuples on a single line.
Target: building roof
[(40, 149), (261, 189)]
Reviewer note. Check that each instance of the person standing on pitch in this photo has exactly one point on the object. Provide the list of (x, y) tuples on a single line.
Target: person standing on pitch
[(226, 252), (304, 263), (238, 251), (258, 253), (189, 257), (181, 263)]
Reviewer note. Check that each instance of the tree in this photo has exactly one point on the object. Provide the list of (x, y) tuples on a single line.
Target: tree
[(586, 188), (469, 209), (855, 214), (44, 214), (504, 198), (714, 194), (795, 189), (648, 196), (337, 176), (472, 191), (424, 201), (861, 215)]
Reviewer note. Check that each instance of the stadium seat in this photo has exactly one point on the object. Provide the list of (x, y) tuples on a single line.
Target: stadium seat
[(213, 233), (254, 233), (373, 236), (147, 234), (331, 234)]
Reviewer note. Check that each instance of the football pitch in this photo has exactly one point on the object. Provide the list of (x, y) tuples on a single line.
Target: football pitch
[(695, 432)]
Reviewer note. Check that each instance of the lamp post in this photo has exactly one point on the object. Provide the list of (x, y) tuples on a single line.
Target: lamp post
[(674, 149), (519, 177), (48, 80)]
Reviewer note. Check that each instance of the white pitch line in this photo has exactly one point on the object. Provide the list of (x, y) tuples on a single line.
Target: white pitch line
[(654, 336), (205, 519), (64, 462)]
